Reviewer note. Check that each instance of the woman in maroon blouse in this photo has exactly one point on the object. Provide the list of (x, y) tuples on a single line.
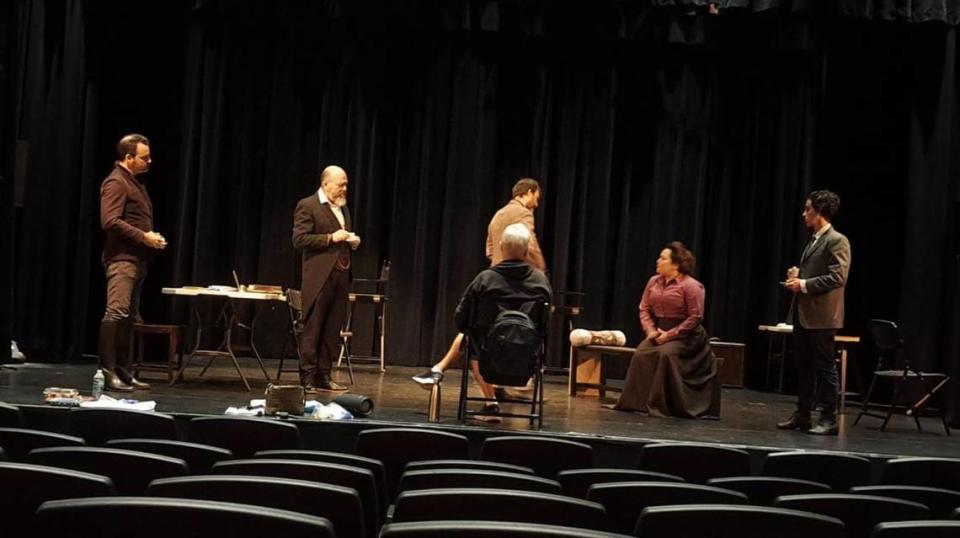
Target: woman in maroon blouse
[(673, 372)]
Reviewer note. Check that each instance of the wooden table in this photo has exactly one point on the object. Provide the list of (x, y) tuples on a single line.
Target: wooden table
[(228, 314), (842, 342)]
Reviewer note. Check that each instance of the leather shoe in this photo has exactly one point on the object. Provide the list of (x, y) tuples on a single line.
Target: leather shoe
[(113, 382), (797, 421), (137, 384), (825, 427), (330, 386)]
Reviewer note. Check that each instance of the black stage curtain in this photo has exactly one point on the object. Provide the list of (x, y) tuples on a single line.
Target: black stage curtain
[(644, 122), (8, 85)]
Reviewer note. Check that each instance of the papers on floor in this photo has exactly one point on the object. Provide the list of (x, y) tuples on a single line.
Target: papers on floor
[(311, 409), (106, 402)]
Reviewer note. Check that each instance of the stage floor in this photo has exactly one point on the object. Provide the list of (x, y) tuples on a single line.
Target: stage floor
[(748, 416)]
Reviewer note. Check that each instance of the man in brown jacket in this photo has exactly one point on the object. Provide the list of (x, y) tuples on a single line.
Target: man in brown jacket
[(526, 198), (322, 229), (126, 216)]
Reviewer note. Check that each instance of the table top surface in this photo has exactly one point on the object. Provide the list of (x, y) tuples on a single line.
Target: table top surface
[(788, 329), (191, 291)]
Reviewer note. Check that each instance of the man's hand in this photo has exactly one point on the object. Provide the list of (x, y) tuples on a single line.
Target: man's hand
[(155, 240), (793, 272), (339, 235), (793, 284), (353, 240)]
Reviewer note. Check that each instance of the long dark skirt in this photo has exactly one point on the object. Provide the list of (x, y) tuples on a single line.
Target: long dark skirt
[(677, 379)]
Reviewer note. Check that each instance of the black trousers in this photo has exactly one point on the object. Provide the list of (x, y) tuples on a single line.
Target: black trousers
[(124, 282), (320, 340), (817, 381)]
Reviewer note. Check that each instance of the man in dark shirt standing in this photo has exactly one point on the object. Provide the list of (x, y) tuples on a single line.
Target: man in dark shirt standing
[(126, 216)]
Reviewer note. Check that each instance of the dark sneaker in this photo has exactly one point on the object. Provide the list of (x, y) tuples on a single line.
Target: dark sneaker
[(825, 427), (428, 378)]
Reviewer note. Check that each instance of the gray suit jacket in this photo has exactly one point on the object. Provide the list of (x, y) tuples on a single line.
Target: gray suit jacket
[(313, 223), (825, 267)]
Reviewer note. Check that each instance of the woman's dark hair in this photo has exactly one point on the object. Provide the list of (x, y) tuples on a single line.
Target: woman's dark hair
[(826, 203), (681, 255)]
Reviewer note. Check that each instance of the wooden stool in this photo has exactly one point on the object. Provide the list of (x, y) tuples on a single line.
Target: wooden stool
[(174, 334)]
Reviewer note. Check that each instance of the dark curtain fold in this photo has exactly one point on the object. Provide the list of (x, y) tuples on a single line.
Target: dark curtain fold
[(9, 21), (644, 124)]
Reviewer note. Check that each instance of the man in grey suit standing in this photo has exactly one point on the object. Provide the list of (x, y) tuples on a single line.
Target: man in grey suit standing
[(817, 308), (323, 231)]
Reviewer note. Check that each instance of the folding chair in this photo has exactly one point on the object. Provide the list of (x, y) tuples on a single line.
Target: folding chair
[(199, 458), (576, 482), (694, 462), (161, 517), (929, 472), (341, 505), (486, 529), (888, 341), (545, 455), (539, 314), (731, 521), (839, 471), (859, 513), (295, 311), (378, 298), (764, 490), (18, 442)]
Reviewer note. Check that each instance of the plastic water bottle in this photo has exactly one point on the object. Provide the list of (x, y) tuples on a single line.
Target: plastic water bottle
[(98, 381)]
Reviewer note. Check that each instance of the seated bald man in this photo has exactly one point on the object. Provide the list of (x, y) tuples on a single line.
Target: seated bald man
[(513, 283)]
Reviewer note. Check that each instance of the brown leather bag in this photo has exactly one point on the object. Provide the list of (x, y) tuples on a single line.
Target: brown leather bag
[(284, 399)]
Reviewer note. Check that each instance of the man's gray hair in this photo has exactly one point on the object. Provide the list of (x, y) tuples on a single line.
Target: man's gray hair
[(514, 241)]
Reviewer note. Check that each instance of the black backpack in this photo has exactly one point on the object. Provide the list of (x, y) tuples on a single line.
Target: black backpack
[(509, 352)]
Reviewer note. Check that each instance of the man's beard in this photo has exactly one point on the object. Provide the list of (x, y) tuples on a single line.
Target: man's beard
[(339, 201)]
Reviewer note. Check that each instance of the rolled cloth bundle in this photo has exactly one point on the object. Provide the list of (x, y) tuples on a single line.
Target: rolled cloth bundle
[(583, 337)]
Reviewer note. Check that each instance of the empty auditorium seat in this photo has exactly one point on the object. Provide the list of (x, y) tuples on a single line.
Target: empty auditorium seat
[(26, 486), (244, 436), (424, 465), (199, 458), (929, 472), (694, 462), (473, 478), (130, 471), (859, 513), (18, 442), (941, 502), (839, 471), (576, 482), (10, 416), (729, 521), (370, 464), (486, 529), (544, 455), (917, 529), (396, 447), (763, 490)]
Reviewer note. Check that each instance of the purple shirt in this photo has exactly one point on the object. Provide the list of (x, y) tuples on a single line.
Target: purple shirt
[(679, 300)]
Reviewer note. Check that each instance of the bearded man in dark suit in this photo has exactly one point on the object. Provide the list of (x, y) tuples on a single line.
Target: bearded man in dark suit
[(322, 230)]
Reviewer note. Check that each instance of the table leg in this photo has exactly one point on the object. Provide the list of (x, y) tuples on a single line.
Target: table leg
[(383, 336), (843, 377)]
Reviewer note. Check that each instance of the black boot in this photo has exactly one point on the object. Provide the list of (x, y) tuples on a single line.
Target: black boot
[(107, 345), (124, 350)]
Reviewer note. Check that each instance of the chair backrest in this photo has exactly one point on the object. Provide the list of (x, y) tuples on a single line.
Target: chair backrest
[(466, 464), (199, 458), (884, 334), (370, 464), (295, 301), (576, 482), (244, 436), (941, 502), (498, 505), (396, 447), (26, 486), (473, 478), (98, 426), (727, 521), (624, 501), (315, 471), (157, 517), (546, 456), (916, 529), (486, 529), (839, 471), (930, 472), (130, 471), (859, 513), (694, 462), (10, 416), (342, 506), (763, 490), (18, 442)]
